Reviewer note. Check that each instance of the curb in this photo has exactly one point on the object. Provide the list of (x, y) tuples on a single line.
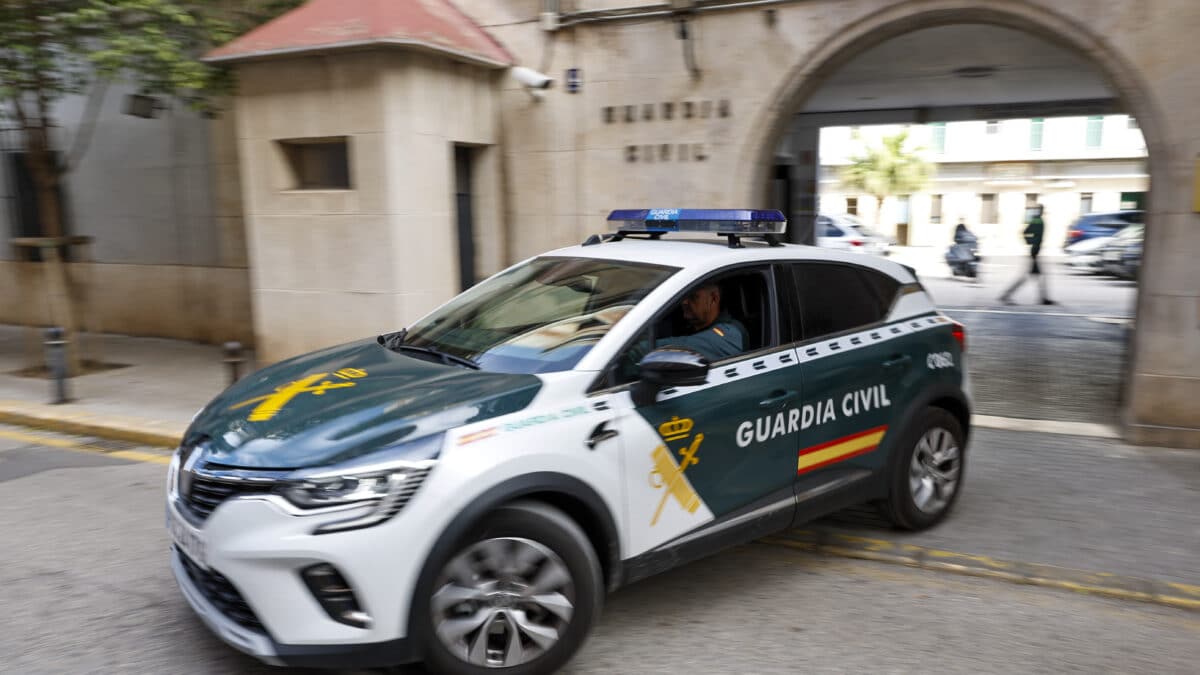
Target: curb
[(1169, 594), (56, 418), (1089, 429)]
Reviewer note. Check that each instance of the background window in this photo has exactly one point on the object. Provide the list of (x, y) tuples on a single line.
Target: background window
[(987, 210), (836, 298), (852, 205), (938, 130), (1095, 130), (318, 163), (993, 127), (1035, 133), (1085, 202), (935, 209)]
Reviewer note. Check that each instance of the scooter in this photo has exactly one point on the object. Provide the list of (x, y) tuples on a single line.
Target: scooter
[(963, 256)]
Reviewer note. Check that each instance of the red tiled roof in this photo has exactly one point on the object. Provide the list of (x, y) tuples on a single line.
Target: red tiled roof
[(328, 24)]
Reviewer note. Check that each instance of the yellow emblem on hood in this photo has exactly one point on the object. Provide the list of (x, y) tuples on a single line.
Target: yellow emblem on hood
[(269, 405)]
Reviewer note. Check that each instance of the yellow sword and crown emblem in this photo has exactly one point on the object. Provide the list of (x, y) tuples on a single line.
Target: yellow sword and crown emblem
[(668, 474), (269, 405)]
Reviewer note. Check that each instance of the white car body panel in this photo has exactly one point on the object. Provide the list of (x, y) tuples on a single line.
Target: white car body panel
[(259, 543)]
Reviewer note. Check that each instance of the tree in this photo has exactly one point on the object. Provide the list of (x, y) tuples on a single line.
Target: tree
[(53, 48), (887, 169)]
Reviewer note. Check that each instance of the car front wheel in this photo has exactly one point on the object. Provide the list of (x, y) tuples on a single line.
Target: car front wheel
[(928, 473), (518, 595)]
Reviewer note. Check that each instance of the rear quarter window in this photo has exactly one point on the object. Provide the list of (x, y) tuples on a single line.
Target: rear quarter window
[(834, 298)]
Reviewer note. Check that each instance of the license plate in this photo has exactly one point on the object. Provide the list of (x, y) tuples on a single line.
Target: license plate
[(187, 538)]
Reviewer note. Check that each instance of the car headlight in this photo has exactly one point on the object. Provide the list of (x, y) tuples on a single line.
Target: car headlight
[(381, 483), (320, 492)]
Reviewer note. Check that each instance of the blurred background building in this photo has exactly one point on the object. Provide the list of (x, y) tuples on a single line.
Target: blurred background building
[(987, 173), (379, 156)]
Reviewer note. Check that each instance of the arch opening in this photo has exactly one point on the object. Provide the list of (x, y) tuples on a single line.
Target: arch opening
[(1013, 110)]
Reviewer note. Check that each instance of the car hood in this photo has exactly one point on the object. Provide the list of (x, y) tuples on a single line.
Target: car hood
[(339, 403)]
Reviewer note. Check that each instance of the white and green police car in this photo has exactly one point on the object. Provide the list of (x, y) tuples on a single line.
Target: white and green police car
[(465, 491)]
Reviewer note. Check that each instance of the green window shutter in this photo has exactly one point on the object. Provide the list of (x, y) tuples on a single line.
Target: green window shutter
[(1035, 133)]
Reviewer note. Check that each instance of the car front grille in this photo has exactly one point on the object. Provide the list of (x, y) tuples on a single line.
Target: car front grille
[(205, 493), (222, 594)]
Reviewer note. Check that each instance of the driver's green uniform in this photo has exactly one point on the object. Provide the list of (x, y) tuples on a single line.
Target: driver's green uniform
[(724, 338)]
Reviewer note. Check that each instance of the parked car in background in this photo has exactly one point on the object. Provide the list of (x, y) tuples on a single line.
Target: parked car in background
[(1105, 224), (847, 233), (1084, 255), (1122, 256)]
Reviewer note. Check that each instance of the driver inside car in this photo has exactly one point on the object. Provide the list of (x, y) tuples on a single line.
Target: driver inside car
[(715, 333)]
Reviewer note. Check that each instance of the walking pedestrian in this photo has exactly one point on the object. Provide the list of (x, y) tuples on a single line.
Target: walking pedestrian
[(1034, 232)]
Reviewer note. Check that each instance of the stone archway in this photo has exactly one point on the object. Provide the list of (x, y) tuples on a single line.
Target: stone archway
[(872, 29)]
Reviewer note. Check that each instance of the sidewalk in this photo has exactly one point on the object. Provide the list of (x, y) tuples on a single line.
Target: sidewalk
[(151, 400)]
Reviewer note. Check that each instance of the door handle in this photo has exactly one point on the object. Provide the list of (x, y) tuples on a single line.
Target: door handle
[(777, 398), (897, 363), (600, 434)]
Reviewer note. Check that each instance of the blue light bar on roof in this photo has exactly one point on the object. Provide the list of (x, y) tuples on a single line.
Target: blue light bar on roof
[(718, 221)]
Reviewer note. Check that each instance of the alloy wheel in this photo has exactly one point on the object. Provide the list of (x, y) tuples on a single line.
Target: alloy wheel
[(934, 471), (502, 602)]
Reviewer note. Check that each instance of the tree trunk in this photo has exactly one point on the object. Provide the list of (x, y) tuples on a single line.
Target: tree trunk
[(46, 173), (44, 170)]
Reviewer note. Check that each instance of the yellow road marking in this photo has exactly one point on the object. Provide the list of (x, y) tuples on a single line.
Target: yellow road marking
[(878, 550), (67, 444)]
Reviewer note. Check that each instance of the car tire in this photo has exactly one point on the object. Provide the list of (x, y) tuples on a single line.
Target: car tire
[(927, 472), (521, 551)]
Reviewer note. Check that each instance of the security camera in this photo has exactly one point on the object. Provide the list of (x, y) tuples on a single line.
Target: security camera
[(531, 78)]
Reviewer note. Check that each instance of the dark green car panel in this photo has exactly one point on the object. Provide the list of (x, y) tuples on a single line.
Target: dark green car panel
[(339, 403)]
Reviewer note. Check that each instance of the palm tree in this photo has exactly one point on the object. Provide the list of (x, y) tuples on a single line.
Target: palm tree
[(887, 169)]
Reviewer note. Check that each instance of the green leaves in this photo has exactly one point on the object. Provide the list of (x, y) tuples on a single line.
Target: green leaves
[(887, 169), (50, 48)]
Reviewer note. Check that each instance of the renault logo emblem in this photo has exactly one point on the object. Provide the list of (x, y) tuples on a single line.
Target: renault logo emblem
[(187, 473)]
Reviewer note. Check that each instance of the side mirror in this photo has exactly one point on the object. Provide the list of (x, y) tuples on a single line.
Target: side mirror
[(665, 368)]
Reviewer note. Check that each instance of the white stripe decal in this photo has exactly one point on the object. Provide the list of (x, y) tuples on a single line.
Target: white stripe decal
[(763, 364), (738, 370)]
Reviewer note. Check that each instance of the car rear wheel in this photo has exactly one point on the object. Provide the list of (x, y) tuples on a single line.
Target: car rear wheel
[(517, 596), (927, 474)]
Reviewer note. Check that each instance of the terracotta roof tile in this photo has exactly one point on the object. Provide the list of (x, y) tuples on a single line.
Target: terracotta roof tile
[(329, 24)]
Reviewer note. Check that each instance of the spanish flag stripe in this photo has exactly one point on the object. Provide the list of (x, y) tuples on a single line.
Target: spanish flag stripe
[(839, 450), (835, 460), (843, 439)]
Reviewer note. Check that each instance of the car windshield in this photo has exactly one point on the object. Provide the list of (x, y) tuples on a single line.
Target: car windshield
[(543, 316)]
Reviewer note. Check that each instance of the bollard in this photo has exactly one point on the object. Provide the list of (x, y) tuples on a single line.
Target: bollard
[(235, 359), (56, 364)]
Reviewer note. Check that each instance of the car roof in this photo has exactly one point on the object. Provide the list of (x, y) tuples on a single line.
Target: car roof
[(712, 253)]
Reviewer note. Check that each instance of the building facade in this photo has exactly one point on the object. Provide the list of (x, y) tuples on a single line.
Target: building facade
[(986, 173)]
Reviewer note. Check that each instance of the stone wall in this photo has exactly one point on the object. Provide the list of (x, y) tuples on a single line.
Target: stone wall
[(330, 266), (572, 157)]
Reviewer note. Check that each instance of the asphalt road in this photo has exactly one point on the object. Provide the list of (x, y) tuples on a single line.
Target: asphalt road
[(85, 586), (1074, 292)]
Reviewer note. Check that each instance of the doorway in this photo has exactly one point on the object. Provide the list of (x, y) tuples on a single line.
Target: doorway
[(464, 161)]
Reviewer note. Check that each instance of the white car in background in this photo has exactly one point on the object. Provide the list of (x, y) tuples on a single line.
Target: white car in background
[(1085, 255), (847, 233)]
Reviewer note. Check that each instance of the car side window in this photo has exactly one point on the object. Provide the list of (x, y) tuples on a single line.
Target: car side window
[(746, 316), (828, 229), (886, 288), (833, 298)]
